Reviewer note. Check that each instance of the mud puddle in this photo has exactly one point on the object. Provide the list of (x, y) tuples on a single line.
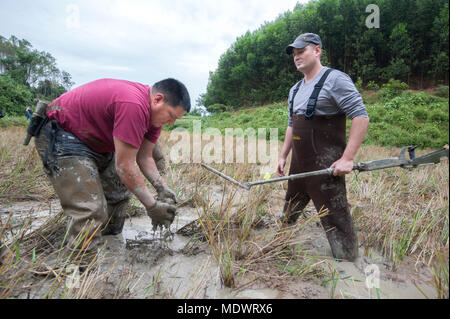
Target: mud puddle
[(372, 276), (142, 263)]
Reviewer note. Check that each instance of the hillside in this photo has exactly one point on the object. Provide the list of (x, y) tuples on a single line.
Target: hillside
[(396, 118)]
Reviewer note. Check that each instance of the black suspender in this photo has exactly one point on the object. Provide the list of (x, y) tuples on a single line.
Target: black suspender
[(311, 107), (291, 102)]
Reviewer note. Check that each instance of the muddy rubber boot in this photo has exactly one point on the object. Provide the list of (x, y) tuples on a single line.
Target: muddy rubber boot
[(72, 168), (118, 198), (117, 215), (293, 207), (341, 235), (343, 246), (159, 159), (76, 182), (329, 192)]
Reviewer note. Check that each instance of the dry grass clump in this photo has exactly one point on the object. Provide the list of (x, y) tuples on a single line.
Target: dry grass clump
[(35, 262), (404, 212), (21, 174), (231, 229)]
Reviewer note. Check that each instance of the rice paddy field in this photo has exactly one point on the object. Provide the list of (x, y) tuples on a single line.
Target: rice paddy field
[(227, 242)]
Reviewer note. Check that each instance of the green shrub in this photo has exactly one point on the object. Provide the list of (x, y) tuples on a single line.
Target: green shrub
[(359, 84), (245, 118), (438, 116), (372, 86), (393, 104), (442, 91), (217, 108), (14, 97), (420, 113), (392, 89)]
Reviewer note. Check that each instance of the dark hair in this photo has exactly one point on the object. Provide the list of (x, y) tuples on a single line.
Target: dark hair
[(174, 92)]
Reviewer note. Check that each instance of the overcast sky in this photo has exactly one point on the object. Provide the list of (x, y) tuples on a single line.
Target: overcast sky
[(137, 40)]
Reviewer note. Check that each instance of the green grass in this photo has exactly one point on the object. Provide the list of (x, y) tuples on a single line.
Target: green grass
[(413, 118), (269, 116), (9, 121), (410, 119)]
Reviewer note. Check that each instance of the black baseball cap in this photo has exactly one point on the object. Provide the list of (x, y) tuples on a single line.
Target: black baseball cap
[(303, 40)]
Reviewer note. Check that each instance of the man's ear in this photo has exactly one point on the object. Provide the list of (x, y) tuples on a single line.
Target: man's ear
[(318, 49), (159, 97)]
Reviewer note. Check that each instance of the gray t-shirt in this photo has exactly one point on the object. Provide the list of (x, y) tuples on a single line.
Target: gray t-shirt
[(337, 96)]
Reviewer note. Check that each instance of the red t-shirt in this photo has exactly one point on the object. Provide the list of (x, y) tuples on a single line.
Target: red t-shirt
[(100, 110)]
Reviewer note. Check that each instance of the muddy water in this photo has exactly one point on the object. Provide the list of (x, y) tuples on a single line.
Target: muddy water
[(371, 276), (171, 265)]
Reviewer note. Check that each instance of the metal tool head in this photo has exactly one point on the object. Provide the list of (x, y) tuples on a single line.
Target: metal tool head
[(411, 152)]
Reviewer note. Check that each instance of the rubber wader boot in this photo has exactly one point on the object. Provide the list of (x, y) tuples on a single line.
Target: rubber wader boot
[(159, 159), (316, 144), (117, 215), (76, 181), (77, 184), (117, 196)]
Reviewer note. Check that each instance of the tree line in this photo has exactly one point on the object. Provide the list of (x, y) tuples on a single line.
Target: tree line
[(410, 45), (27, 75)]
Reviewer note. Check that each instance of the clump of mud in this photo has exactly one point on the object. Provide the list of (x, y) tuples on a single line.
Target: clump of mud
[(147, 251), (192, 229)]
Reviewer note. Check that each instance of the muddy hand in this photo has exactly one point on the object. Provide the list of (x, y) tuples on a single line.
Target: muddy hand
[(167, 195), (162, 214)]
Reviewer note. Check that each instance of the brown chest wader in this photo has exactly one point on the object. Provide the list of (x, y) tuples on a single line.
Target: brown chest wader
[(317, 143)]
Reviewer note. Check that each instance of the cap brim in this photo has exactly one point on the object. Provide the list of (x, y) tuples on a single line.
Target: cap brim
[(289, 49), (297, 45)]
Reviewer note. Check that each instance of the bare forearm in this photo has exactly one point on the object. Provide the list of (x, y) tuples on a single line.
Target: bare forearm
[(358, 131), (150, 171), (130, 176)]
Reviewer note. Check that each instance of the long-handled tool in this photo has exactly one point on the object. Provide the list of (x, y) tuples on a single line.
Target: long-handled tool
[(400, 161)]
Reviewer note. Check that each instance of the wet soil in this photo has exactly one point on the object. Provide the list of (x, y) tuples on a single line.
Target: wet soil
[(140, 263)]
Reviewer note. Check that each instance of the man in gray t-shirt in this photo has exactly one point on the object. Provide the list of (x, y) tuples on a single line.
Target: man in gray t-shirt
[(338, 95), (319, 141)]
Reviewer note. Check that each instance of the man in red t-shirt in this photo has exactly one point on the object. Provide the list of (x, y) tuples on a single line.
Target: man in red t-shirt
[(95, 135)]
